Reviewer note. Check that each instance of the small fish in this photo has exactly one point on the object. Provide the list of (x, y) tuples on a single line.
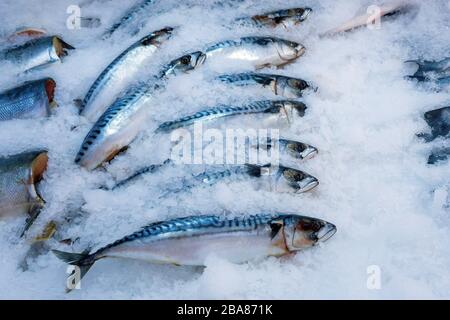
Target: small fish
[(285, 17), (120, 73), (386, 10), (439, 122), (434, 71), (33, 99), (37, 52), (259, 51), (297, 150), (287, 87), (283, 179), (221, 111), (439, 155), (190, 240), (122, 121), (19, 176), (128, 17)]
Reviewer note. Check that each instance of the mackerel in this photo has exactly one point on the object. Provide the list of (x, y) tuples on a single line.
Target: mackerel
[(191, 240)]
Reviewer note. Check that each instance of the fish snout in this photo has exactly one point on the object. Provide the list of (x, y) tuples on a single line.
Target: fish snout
[(325, 232), (307, 184)]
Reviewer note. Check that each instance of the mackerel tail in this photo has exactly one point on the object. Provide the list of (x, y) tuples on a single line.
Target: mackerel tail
[(191, 240), (265, 106)]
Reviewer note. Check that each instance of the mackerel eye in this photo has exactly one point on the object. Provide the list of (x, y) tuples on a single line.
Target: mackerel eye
[(185, 60)]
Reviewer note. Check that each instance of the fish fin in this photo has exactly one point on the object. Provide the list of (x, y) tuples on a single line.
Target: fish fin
[(33, 214), (275, 227), (81, 260), (47, 233)]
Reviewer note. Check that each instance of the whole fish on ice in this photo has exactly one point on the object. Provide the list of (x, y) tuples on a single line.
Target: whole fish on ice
[(19, 176), (36, 52), (190, 240), (120, 73), (296, 150), (280, 178), (287, 87), (258, 51), (285, 17), (125, 118), (33, 99), (289, 107)]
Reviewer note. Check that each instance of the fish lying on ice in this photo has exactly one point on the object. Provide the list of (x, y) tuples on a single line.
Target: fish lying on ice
[(284, 17), (386, 10), (125, 118), (128, 17), (190, 240), (33, 99), (434, 71), (297, 150), (280, 178), (439, 122), (259, 51), (19, 177), (289, 107), (36, 52), (287, 87), (120, 73)]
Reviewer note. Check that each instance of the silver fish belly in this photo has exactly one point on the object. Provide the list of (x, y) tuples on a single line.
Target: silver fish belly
[(120, 74), (116, 128), (33, 99), (287, 87), (265, 106), (259, 51), (37, 52), (19, 176)]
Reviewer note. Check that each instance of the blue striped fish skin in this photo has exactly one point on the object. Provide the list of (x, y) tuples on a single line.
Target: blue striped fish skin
[(190, 240), (37, 52), (19, 177), (259, 51), (285, 17), (116, 128), (120, 73), (33, 99), (122, 121), (264, 106), (128, 17), (296, 180), (287, 87)]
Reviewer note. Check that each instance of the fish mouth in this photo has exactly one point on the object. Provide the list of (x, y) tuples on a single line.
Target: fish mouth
[(201, 59), (308, 153), (307, 184), (325, 233)]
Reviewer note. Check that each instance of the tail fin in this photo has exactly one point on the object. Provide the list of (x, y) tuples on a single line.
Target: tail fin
[(81, 260)]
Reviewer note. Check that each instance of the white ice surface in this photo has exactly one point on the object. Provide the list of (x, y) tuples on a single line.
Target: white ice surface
[(374, 181)]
